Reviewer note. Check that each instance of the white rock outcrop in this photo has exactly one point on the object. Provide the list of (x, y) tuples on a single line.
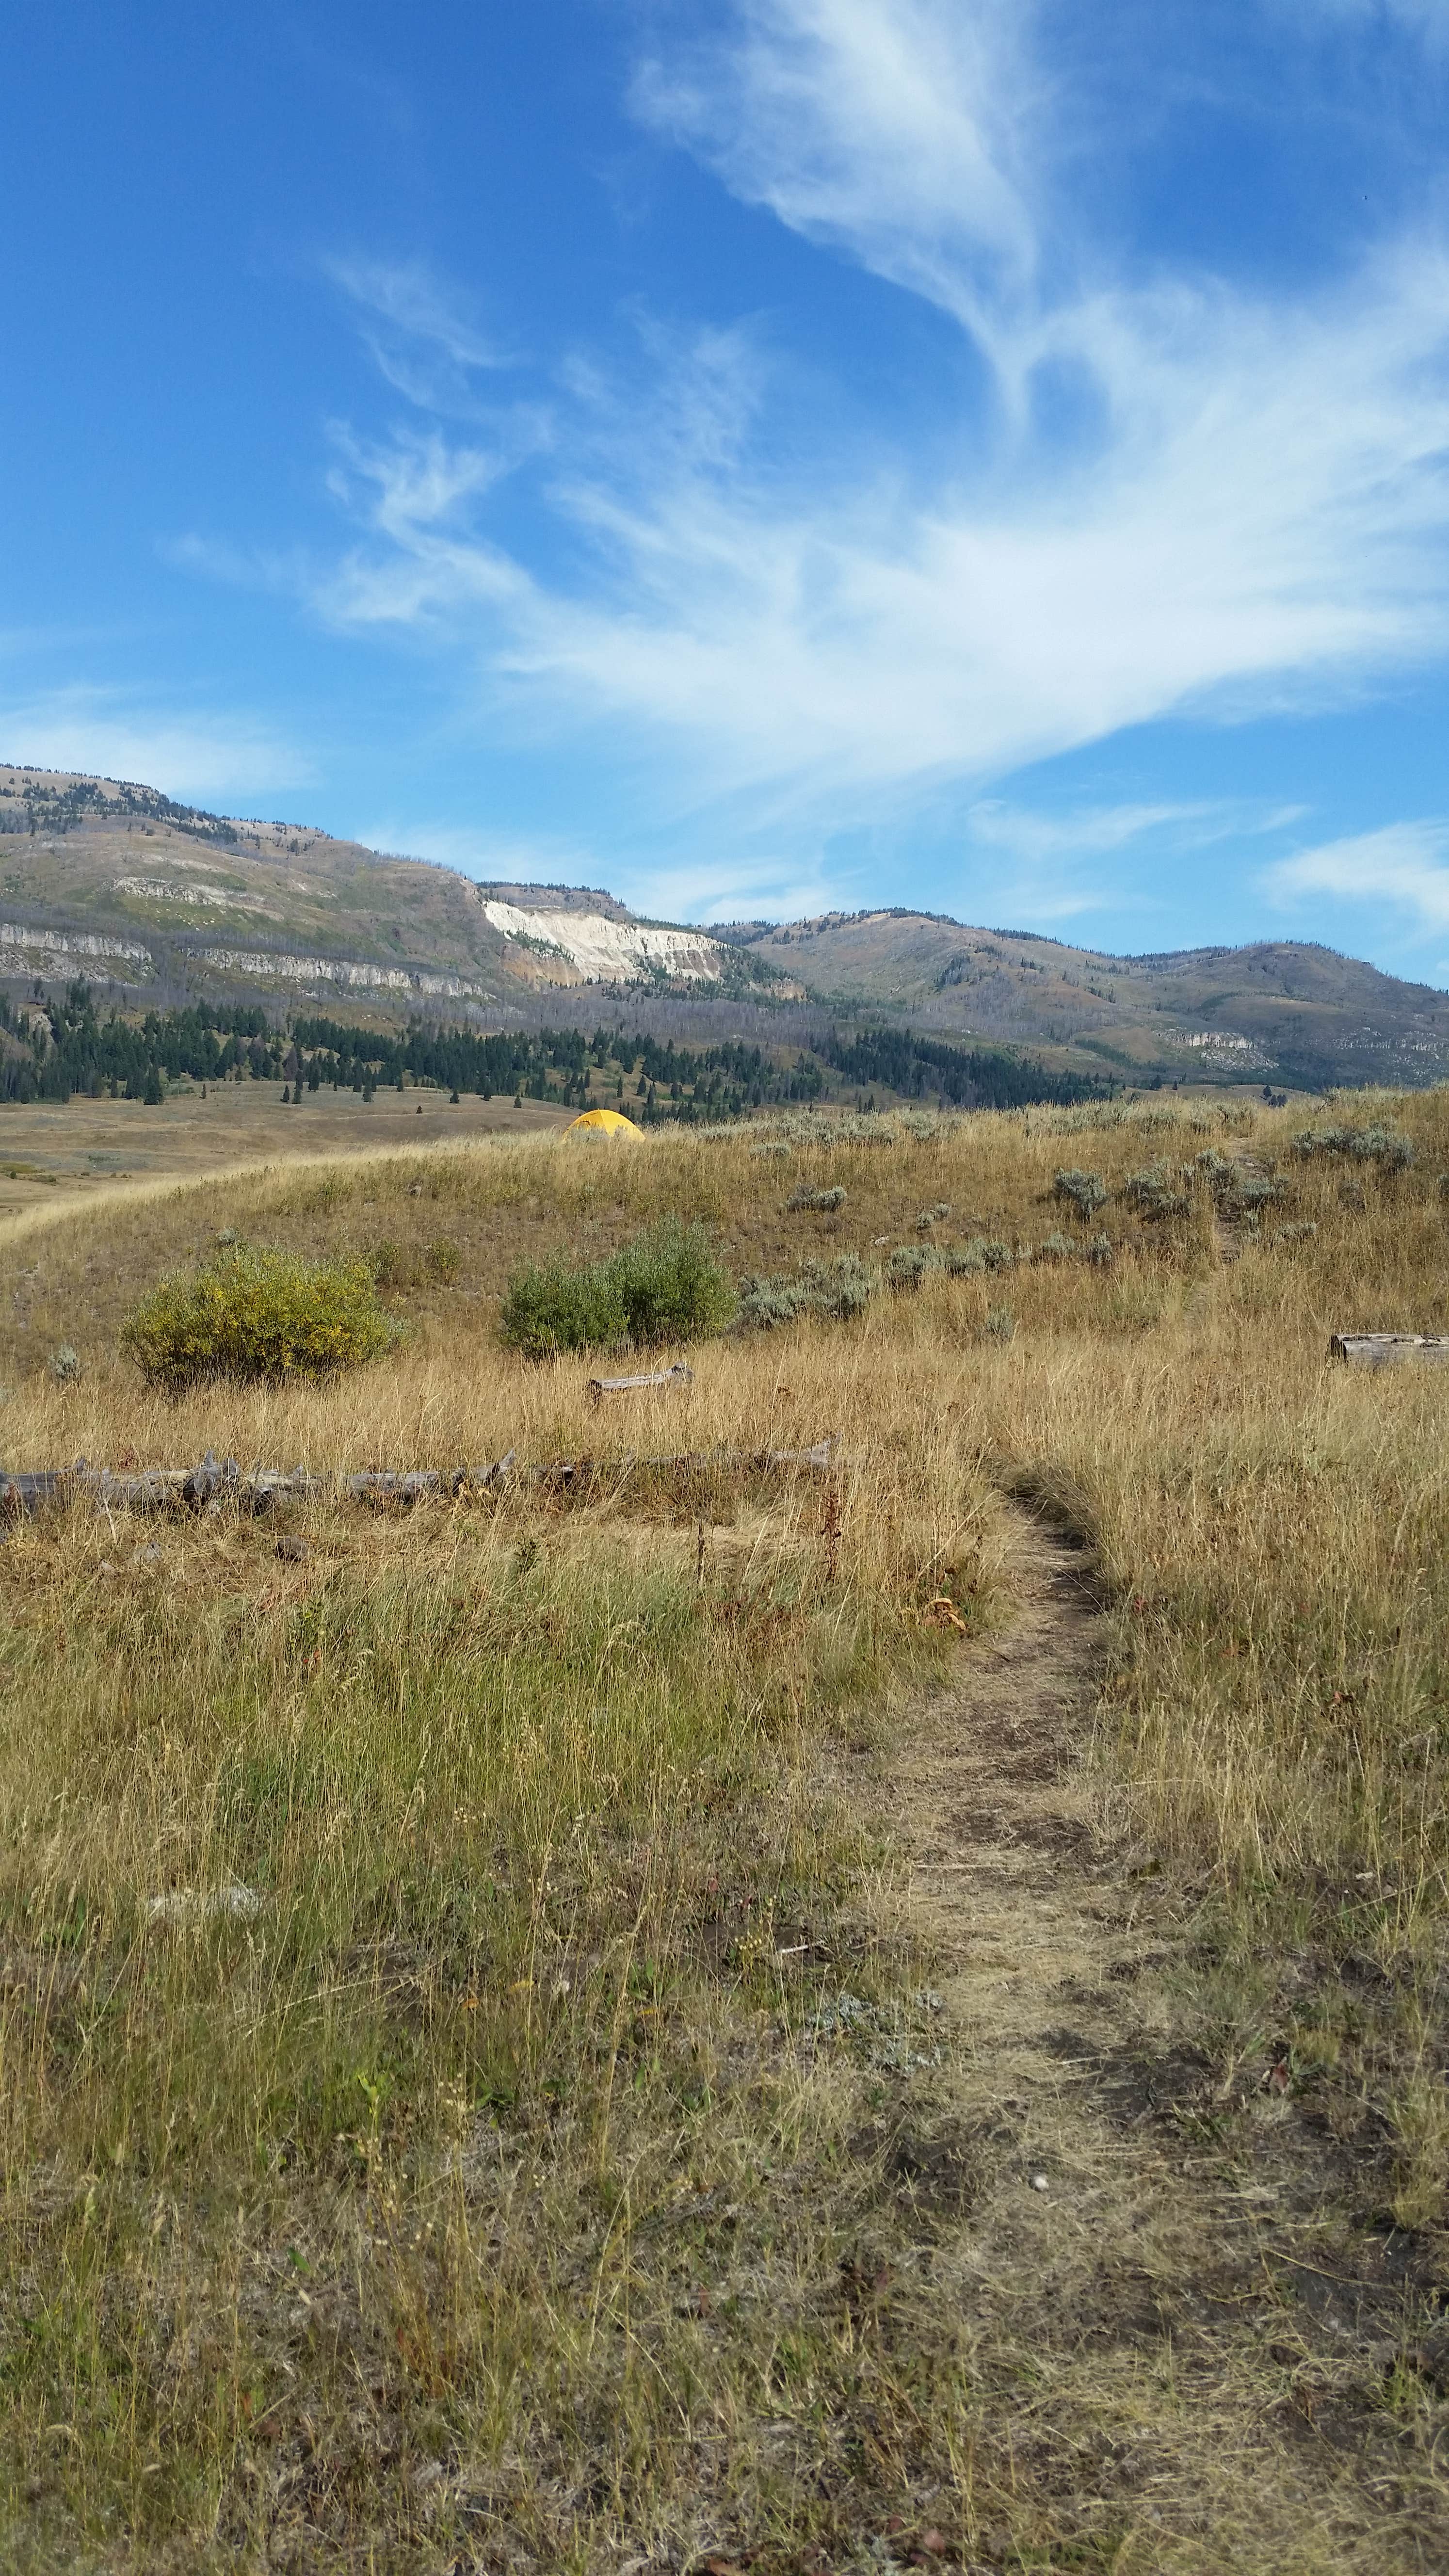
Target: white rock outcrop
[(609, 952)]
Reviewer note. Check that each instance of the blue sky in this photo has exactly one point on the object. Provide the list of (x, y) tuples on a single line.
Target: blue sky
[(980, 453)]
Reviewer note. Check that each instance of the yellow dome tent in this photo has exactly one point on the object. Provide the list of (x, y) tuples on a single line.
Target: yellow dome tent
[(602, 1122)]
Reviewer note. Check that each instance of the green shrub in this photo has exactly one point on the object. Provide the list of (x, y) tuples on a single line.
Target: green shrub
[(1376, 1144), (1084, 1191), (665, 1286), (258, 1315), (834, 1290), (983, 1252), (821, 1202), (965, 1260), (1152, 1193), (1222, 1175), (909, 1264)]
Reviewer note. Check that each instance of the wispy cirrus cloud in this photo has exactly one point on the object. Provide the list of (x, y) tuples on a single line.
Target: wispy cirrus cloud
[(416, 326), (1098, 831), (724, 885), (1162, 493), (844, 636), (901, 130), (1403, 865), (1069, 860)]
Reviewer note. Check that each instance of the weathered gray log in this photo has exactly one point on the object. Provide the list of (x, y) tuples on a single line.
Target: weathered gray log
[(1388, 1350), (479, 1479), (208, 1482), (392, 1485), (156, 1489), (23, 1494), (679, 1375), (270, 1486)]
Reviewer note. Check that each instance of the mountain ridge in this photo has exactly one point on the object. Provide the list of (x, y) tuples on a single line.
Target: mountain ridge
[(157, 899)]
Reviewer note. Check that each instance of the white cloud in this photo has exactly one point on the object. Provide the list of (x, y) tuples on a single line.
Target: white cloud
[(1092, 831), (1175, 498), (901, 129), (1239, 527), (732, 888), (195, 760), (416, 329), (1403, 864)]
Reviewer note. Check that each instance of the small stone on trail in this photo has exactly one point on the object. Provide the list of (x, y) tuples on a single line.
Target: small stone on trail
[(293, 1549), (1039, 2182)]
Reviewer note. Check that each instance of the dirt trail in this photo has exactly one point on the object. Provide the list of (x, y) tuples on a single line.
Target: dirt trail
[(1005, 1873), (1228, 1233), (1186, 2362)]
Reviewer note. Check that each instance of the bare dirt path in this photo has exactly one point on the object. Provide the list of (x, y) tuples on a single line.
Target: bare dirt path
[(1228, 1235), (1182, 2362)]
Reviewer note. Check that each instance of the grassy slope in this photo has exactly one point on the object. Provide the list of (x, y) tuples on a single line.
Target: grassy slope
[(486, 2196), (296, 890), (1316, 1016)]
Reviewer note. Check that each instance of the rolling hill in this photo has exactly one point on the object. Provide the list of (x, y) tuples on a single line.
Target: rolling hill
[(159, 901)]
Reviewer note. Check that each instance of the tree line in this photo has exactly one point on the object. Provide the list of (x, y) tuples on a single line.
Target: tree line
[(63, 1048)]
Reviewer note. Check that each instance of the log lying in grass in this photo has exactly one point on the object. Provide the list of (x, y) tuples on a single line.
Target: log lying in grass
[(263, 1489), (679, 1375), (1388, 1350)]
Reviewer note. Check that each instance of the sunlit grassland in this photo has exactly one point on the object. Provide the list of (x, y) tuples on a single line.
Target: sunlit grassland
[(494, 2131)]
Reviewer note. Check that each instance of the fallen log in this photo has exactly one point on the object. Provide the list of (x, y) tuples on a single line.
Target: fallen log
[(388, 1485), (679, 1375), (265, 1489), (1388, 1350)]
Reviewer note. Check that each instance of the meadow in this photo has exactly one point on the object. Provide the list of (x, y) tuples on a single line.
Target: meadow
[(459, 1988)]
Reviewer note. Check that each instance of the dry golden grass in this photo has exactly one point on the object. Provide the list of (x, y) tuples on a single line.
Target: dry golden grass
[(481, 2198), (54, 1155)]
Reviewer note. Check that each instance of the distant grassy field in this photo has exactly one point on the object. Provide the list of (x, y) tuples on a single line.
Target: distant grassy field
[(492, 2177), (54, 1152)]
